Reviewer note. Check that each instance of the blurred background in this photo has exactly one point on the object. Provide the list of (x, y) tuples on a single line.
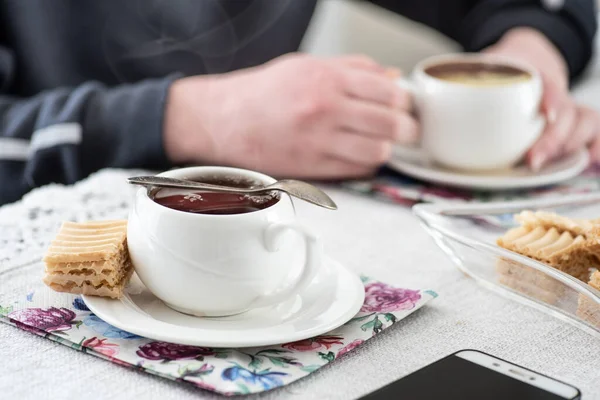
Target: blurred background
[(345, 26)]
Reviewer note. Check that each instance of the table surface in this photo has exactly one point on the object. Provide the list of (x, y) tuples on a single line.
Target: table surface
[(379, 239)]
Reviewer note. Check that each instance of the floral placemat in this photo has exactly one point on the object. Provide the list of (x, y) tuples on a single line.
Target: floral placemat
[(400, 189), (66, 320)]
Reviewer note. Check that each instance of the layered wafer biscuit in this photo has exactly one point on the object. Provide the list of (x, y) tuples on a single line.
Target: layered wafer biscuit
[(575, 255), (88, 241), (531, 219), (89, 258), (588, 309)]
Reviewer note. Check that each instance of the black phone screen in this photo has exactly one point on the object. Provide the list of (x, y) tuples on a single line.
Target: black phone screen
[(456, 378)]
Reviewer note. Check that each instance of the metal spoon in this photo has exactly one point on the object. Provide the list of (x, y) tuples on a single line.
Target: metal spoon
[(298, 189)]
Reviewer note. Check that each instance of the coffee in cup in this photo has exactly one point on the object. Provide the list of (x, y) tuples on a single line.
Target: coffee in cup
[(477, 112), (478, 73)]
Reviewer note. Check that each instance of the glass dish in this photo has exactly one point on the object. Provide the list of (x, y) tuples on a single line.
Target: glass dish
[(467, 233)]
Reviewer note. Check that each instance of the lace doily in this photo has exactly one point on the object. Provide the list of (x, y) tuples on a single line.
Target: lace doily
[(28, 226)]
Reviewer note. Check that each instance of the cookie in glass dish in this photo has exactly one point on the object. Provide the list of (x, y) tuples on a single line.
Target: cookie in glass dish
[(569, 245)]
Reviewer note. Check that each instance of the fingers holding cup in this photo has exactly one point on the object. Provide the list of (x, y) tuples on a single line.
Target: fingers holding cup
[(586, 130), (556, 135), (376, 121), (377, 88), (359, 149)]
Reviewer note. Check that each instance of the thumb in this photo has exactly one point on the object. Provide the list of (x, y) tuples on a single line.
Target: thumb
[(543, 149), (551, 99)]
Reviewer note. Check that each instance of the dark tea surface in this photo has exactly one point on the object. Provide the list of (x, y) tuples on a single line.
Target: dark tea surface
[(478, 73), (215, 203)]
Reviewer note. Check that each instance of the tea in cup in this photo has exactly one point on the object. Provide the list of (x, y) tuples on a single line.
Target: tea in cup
[(218, 254)]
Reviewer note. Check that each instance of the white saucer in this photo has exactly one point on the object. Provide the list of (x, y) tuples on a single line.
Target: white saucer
[(335, 296), (415, 163)]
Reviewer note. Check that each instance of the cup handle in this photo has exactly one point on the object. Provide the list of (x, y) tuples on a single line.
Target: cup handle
[(407, 85), (314, 257), (411, 88)]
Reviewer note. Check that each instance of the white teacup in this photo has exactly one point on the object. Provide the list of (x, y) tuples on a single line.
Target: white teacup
[(217, 265), (472, 127)]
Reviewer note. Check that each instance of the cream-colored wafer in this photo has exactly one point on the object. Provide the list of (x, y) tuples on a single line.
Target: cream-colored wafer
[(113, 228), (77, 235), (86, 241), (574, 255), (538, 243), (82, 237), (530, 219), (93, 231), (569, 245), (92, 241), (120, 223), (109, 272), (101, 266), (89, 288), (80, 280), (514, 234), (64, 254), (110, 279), (89, 258), (103, 291), (110, 226)]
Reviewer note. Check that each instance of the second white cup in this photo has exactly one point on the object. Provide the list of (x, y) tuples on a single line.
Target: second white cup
[(476, 127)]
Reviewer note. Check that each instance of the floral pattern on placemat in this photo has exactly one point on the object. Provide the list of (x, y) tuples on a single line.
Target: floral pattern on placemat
[(225, 371)]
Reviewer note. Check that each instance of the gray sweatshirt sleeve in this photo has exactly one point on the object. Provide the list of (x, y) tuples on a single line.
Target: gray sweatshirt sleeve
[(65, 134)]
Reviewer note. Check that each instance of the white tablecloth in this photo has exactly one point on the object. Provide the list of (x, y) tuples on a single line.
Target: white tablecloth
[(379, 239)]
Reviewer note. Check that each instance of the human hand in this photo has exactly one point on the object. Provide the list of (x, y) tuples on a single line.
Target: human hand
[(570, 127), (296, 116)]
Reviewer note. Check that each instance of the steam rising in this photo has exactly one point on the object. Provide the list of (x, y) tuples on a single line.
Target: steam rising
[(202, 35)]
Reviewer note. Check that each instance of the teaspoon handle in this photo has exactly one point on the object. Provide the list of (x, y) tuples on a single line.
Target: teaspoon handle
[(296, 189), (162, 181)]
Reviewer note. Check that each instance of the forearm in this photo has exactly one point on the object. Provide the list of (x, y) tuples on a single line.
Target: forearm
[(204, 118), (65, 134), (188, 135)]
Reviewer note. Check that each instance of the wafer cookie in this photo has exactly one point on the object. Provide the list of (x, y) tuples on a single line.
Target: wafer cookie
[(89, 287), (89, 241), (89, 258), (531, 219), (572, 254)]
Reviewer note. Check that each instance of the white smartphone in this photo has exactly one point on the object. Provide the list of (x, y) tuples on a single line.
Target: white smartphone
[(472, 374)]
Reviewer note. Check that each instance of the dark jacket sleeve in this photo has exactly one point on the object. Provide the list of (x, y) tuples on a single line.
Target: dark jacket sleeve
[(570, 24), (64, 134), (475, 24)]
